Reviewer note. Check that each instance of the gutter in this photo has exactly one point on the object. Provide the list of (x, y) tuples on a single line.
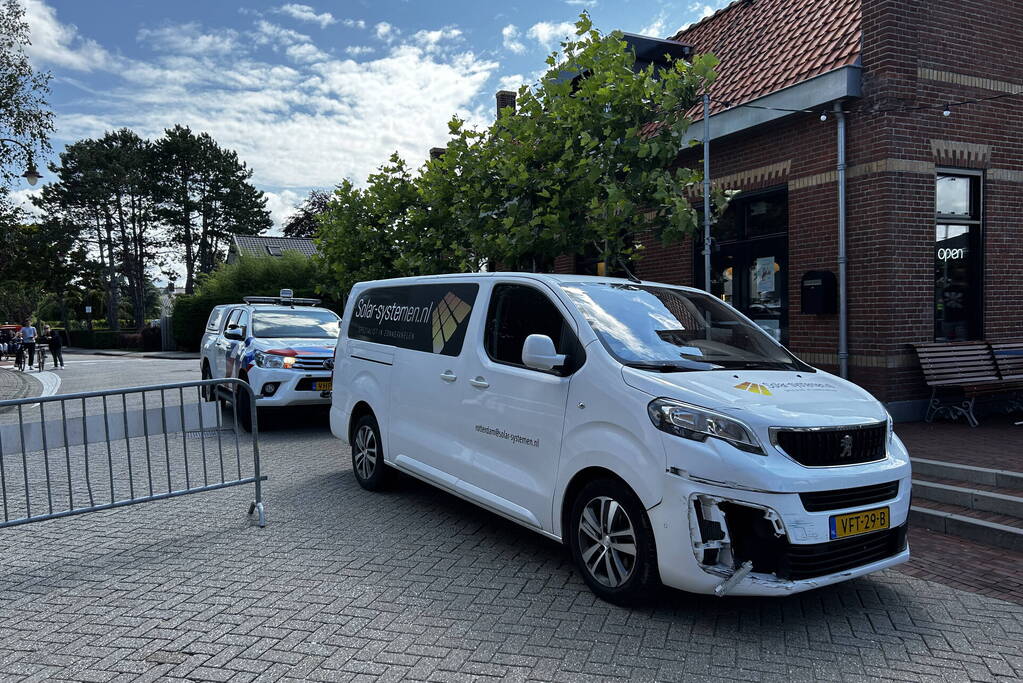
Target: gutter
[(843, 312)]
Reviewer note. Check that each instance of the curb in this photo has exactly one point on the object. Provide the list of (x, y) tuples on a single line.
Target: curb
[(27, 387), (989, 533), (977, 475)]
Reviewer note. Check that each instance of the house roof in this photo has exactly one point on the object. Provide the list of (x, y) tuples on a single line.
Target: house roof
[(767, 45), (251, 245)]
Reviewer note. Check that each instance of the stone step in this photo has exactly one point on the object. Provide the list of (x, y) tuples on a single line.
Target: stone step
[(981, 497), (1003, 479), (1002, 531)]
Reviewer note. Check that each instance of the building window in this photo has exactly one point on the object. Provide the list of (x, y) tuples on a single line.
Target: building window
[(958, 269)]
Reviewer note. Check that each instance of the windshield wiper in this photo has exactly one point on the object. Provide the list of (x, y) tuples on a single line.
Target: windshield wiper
[(671, 366), (753, 365)]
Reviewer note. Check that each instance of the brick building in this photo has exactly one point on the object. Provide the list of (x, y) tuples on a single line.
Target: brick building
[(934, 202)]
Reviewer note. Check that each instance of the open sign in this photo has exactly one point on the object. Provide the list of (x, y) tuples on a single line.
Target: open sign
[(949, 254)]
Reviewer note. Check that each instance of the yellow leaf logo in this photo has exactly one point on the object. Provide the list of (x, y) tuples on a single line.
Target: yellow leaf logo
[(753, 388)]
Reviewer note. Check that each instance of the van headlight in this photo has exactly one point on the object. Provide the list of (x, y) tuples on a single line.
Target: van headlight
[(693, 422), (273, 361), (891, 427)]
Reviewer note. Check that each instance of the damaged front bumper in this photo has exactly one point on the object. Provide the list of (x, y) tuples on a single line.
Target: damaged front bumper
[(718, 539)]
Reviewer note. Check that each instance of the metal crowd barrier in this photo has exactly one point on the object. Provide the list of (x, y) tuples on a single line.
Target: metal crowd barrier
[(70, 454)]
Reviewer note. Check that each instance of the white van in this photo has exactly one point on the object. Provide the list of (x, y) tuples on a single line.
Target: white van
[(657, 432)]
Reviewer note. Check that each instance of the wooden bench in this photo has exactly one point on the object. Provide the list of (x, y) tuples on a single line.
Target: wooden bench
[(960, 372)]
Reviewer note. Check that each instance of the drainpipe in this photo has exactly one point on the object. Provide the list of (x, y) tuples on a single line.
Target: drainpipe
[(706, 192), (843, 312)]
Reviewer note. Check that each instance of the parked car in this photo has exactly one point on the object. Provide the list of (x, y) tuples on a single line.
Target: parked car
[(282, 346), (653, 429)]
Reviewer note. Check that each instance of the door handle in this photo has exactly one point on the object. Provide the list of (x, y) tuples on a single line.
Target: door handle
[(448, 376), (479, 382)]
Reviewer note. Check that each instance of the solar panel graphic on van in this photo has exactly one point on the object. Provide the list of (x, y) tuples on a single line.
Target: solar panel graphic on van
[(448, 315)]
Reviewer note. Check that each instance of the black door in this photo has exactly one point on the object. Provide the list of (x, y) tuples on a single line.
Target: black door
[(749, 261)]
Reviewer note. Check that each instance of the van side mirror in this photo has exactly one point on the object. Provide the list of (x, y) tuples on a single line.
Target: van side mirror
[(234, 333), (538, 353)]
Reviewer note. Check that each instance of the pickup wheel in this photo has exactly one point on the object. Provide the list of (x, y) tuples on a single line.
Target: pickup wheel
[(209, 392), (612, 542), (242, 406), (368, 455)]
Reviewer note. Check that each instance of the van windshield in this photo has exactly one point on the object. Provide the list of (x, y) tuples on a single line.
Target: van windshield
[(673, 330), (296, 323)]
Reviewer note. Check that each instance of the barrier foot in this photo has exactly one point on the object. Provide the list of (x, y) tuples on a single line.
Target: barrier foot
[(253, 507)]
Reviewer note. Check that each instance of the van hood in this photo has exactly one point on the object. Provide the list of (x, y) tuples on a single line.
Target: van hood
[(780, 398), (296, 346)]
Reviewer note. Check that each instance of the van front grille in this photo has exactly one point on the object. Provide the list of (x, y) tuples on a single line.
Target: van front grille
[(820, 559), (830, 446), (819, 501)]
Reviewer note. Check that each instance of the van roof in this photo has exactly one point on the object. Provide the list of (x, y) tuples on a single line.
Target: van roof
[(549, 278)]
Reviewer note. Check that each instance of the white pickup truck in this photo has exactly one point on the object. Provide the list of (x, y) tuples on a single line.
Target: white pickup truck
[(282, 346)]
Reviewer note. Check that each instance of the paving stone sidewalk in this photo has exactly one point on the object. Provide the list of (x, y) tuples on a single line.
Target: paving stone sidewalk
[(347, 585)]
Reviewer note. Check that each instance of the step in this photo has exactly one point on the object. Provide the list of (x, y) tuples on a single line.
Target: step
[(1001, 531), (982, 497), (1004, 479)]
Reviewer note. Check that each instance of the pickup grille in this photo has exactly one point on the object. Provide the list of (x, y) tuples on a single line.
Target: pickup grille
[(831, 446), (310, 363), (819, 501)]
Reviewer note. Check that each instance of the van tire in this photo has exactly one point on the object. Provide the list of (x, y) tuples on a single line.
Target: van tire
[(368, 455), (242, 399), (209, 392), (615, 522)]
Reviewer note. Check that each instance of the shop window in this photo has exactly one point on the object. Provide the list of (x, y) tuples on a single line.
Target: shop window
[(958, 269)]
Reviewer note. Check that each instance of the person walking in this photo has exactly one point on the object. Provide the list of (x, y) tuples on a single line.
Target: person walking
[(28, 336), (56, 345)]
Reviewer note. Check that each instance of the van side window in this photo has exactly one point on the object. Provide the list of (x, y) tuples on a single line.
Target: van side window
[(431, 318), (517, 311), (243, 322)]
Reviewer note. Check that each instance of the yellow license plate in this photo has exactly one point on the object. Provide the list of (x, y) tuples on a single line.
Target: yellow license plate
[(323, 386), (855, 523)]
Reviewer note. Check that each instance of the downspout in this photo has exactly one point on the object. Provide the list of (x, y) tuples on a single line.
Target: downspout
[(843, 308), (706, 192)]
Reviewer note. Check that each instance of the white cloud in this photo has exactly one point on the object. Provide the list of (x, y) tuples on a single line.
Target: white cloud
[(656, 27), (190, 39), (306, 53), (57, 44), (511, 82), (385, 31), (359, 50), (510, 39), (307, 13), (282, 205), (22, 199), (549, 35), (354, 23), (582, 3), (307, 122)]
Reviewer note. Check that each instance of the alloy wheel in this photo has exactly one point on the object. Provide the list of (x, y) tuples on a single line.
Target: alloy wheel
[(607, 541), (365, 451)]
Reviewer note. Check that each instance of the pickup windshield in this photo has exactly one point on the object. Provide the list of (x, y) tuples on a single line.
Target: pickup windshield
[(663, 329), (296, 323)]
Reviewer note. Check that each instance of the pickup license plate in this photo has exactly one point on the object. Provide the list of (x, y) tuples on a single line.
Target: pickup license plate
[(855, 523), (323, 386)]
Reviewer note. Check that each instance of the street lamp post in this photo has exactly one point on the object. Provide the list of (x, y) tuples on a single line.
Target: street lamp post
[(31, 173)]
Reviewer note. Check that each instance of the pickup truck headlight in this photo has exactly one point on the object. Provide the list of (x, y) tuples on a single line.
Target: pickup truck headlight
[(696, 423), (272, 360)]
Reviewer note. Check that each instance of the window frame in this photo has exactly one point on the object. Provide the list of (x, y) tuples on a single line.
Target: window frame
[(566, 320), (976, 260)]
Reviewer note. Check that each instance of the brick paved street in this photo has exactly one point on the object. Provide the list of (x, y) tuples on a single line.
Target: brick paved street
[(344, 584), (14, 384)]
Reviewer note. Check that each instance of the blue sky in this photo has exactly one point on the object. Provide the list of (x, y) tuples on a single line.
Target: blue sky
[(307, 92)]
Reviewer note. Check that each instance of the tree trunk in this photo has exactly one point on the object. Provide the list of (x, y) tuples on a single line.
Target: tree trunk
[(113, 293)]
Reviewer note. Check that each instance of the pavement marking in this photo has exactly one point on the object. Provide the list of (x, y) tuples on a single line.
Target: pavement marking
[(50, 382)]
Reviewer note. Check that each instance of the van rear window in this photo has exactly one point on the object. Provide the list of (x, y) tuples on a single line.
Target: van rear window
[(430, 318)]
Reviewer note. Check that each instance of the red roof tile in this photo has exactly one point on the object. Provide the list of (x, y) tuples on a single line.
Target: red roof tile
[(767, 45)]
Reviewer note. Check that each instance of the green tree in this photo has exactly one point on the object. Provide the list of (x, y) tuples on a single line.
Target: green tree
[(205, 195), (588, 160), (24, 112), (305, 221)]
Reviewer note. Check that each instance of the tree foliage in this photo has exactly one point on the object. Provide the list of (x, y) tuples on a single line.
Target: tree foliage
[(586, 163), (24, 111), (305, 221), (249, 276)]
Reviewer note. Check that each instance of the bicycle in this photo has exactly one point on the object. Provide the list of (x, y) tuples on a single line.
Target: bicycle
[(19, 359), (40, 357)]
